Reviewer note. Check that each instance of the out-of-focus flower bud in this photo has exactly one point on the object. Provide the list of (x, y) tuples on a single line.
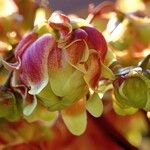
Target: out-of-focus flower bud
[(132, 89), (141, 22), (136, 5), (99, 15)]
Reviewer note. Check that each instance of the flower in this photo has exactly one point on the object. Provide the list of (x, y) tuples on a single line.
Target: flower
[(131, 91), (59, 62)]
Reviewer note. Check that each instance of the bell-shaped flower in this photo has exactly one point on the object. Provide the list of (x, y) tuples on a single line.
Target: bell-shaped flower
[(58, 63), (131, 91)]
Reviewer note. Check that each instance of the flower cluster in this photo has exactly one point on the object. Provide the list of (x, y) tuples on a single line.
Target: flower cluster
[(57, 64), (63, 68)]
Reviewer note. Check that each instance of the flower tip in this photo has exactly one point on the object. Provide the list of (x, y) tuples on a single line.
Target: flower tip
[(60, 22), (58, 18)]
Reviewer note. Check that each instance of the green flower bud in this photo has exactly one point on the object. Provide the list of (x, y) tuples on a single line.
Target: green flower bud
[(133, 90)]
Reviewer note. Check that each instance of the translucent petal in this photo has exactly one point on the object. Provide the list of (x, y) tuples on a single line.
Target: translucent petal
[(34, 69), (94, 105), (75, 118)]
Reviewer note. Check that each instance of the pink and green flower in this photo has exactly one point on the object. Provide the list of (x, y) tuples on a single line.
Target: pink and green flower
[(58, 63)]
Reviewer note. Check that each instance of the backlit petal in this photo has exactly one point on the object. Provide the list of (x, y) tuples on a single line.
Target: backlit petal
[(24, 43), (34, 69), (75, 51), (60, 22), (96, 41), (94, 105), (54, 59), (65, 80), (93, 70), (75, 117)]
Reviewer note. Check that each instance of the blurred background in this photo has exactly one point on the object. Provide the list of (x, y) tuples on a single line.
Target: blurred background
[(17, 18), (80, 7)]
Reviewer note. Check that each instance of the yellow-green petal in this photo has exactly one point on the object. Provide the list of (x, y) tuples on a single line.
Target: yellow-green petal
[(94, 105), (106, 72), (75, 117), (41, 113), (76, 124), (123, 109)]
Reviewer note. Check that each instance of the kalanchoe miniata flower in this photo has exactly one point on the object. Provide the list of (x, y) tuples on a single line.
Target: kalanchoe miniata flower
[(132, 92), (59, 62)]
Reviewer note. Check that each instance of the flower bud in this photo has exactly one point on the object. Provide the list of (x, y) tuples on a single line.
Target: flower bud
[(132, 90)]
